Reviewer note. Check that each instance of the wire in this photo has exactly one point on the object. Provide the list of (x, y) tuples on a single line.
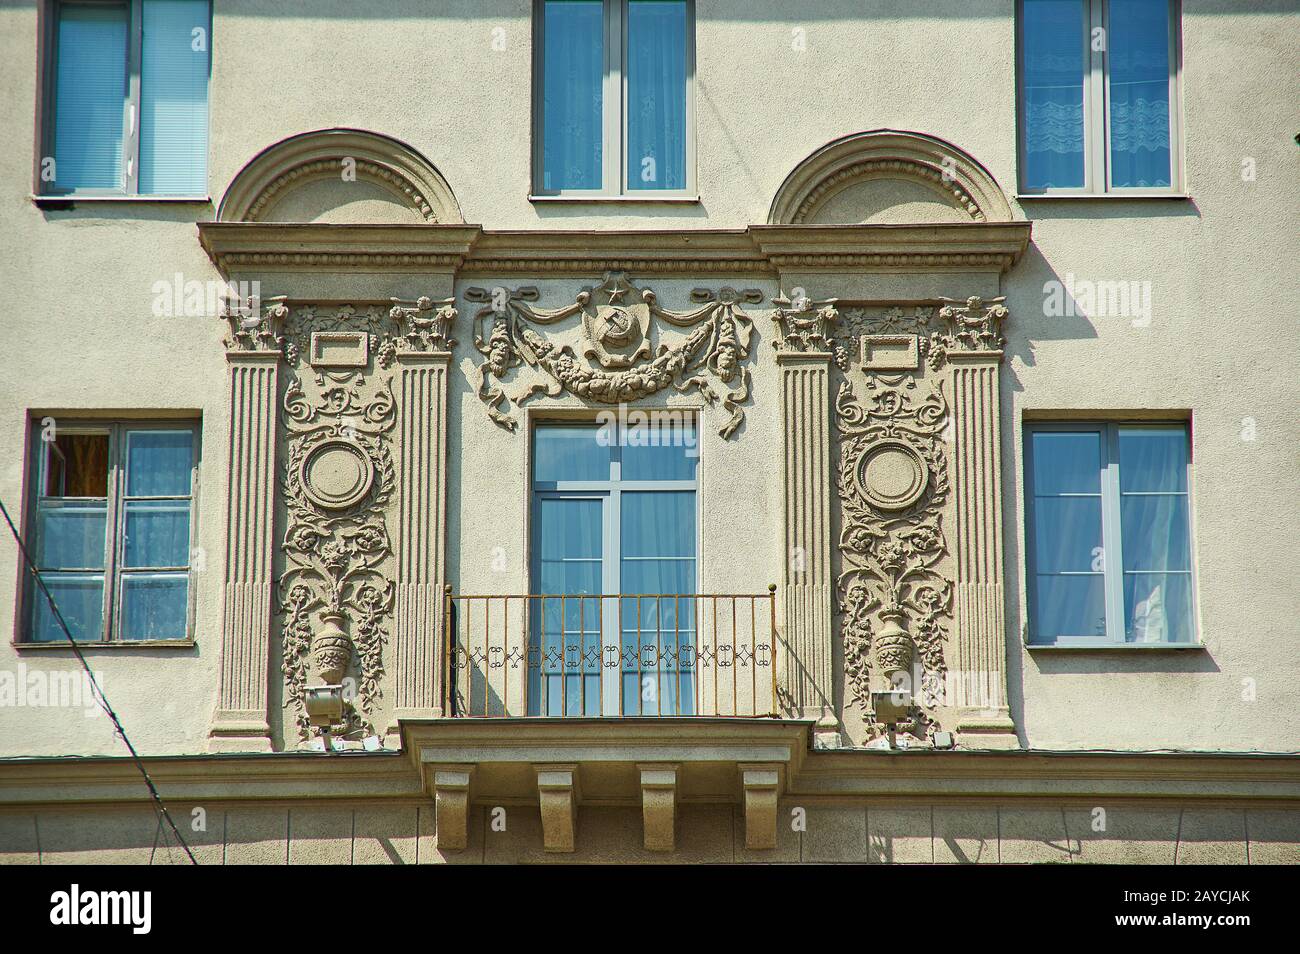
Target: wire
[(98, 692)]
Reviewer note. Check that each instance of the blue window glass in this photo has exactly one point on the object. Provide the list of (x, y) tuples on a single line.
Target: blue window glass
[(572, 94), (613, 93), (174, 98), (622, 523), (1110, 531), (129, 110), (1053, 55), (1069, 579), (656, 94), (1155, 522), (1138, 88), (112, 533), (567, 452), (71, 542), (158, 463), (90, 96), (658, 560), (663, 447)]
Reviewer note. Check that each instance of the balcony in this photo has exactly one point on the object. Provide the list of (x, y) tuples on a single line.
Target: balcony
[(638, 655)]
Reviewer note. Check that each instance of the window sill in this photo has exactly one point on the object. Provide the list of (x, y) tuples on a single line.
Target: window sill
[(1114, 647), (68, 201), (101, 644), (1103, 196), (634, 199)]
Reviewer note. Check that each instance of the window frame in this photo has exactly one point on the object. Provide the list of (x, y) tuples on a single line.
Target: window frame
[(614, 127), (609, 492), (1096, 112), (132, 115), (1111, 535), (114, 570)]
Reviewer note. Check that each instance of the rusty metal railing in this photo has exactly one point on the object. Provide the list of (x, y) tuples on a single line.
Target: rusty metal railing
[(616, 655)]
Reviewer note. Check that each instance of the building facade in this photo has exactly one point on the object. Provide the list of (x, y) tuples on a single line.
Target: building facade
[(492, 432)]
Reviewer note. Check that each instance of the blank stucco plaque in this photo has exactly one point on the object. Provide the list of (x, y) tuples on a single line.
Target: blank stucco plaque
[(339, 349), (890, 352)]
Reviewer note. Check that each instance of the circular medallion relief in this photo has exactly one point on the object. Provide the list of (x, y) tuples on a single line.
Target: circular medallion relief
[(337, 474), (892, 475)]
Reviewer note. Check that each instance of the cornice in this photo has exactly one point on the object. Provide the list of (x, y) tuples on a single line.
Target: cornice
[(1245, 778), (249, 247), (240, 247)]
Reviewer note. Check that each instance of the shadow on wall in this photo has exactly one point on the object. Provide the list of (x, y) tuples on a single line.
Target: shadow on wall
[(1048, 306)]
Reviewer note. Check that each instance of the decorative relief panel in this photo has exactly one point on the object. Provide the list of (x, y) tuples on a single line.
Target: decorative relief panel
[(335, 586), (897, 570), (618, 321), (893, 585)]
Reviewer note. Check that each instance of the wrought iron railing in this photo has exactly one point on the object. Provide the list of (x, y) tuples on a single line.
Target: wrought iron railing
[(621, 655)]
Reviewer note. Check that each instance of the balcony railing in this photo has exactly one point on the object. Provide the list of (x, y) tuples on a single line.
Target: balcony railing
[(624, 655)]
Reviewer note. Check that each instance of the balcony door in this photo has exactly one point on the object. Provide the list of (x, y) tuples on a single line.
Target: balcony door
[(612, 626)]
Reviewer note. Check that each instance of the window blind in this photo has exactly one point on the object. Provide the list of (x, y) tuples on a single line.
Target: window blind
[(90, 94), (174, 97)]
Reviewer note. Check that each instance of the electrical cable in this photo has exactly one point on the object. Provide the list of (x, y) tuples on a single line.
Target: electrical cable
[(98, 692)]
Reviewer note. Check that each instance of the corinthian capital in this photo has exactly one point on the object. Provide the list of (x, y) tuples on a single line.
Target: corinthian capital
[(803, 324), (425, 324)]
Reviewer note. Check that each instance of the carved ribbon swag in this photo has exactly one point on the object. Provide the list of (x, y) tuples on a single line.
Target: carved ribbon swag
[(616, 331)]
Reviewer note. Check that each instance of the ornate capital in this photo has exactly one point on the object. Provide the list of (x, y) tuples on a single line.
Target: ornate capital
[(252, 329), (803, 324), (424, 327), (973, 326)]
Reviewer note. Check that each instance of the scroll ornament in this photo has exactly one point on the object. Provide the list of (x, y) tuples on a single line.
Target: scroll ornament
[(617, 319), (337, 480), (891, 594)]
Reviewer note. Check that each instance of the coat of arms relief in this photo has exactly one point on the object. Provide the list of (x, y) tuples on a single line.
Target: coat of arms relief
[(619, 360)]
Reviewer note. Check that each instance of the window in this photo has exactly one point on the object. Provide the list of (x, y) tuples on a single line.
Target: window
[(614, 513), (127, 99), (612, 95), (112, 531), (1099, 96), (1109, 524)]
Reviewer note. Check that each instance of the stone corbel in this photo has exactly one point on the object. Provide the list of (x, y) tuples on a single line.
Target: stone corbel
[(761, 786), (451, 788), (659, 805), (557, 795)]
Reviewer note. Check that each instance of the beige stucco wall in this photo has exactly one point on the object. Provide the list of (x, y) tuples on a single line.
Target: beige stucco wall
[(79, 333), (843, 831)]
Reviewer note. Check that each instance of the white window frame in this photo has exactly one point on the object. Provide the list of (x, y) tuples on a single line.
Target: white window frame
[(614, 115), (1111, 537), (1096, 110)]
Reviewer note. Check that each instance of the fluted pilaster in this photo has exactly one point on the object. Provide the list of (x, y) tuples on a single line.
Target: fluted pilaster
[(417, 651), (240, 722), (979, 659), (807, 482)]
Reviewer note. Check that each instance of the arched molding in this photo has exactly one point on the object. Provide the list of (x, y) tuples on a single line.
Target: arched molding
[(311, 157), (949, 173)]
